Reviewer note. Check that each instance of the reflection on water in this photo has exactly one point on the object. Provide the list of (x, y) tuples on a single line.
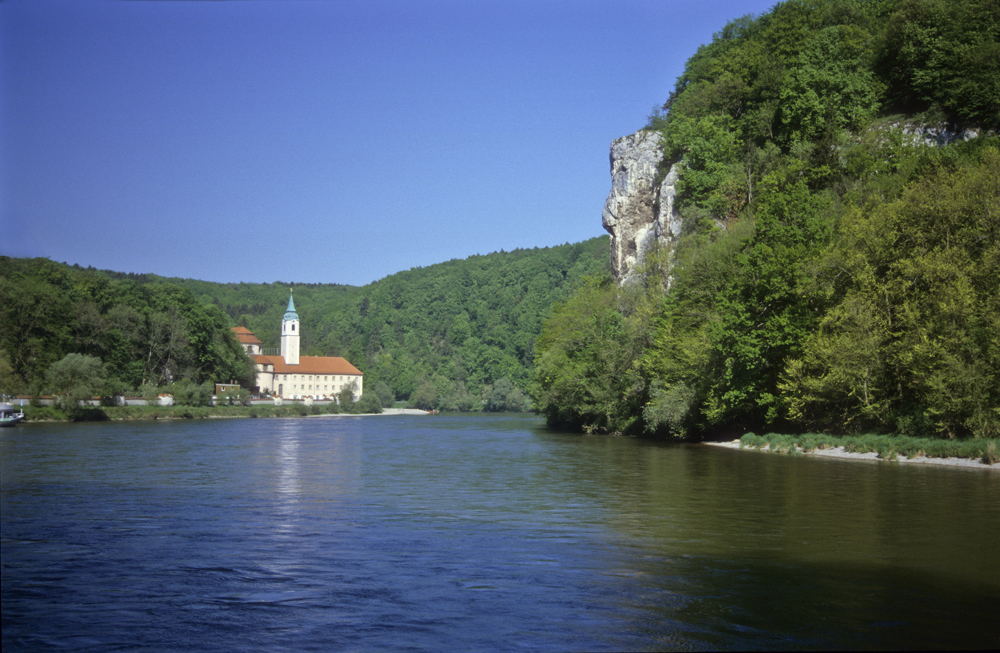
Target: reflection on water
[(287, 465), (479, 532)]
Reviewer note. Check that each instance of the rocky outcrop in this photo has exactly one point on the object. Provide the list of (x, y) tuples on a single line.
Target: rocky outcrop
[(937, 135), (639, 212)]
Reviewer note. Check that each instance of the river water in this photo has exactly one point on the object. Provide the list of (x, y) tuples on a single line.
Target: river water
[(479, 533)]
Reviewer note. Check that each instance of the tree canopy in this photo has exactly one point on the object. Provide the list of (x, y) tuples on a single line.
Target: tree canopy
[(834, 272), (141, 333), (458, 335)]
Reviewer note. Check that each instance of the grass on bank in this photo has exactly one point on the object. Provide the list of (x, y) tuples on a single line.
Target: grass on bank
[(886, 446), (143, 413)]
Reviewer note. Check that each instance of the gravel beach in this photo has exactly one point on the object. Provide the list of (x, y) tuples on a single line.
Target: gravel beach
[(839, 452)]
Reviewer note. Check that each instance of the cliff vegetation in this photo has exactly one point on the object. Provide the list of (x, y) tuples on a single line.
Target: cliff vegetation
[(839, 259)]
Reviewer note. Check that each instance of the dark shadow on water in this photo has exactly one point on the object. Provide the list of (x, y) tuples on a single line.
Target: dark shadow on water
[(90, 415), (738, 604)]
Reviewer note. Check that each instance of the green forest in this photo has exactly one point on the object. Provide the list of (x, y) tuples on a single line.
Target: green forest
[(73, 332), (833, 273), (458, 335)]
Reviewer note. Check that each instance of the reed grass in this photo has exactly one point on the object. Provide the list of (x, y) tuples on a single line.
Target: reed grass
[(888, 447)]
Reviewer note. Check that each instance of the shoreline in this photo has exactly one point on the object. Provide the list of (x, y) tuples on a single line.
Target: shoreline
[(842, 454), (169, 415), (385, 412)]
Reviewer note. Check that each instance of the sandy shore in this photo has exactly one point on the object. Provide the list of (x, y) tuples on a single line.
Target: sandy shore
[(385, 411), (840, 452)]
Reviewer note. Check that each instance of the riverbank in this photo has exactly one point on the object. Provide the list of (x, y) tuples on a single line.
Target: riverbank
[(43, 414), (974, 454), (385, 411)]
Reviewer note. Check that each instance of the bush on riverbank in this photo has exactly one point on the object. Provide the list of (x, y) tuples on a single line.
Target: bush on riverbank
[(886, 446), (34, 413)]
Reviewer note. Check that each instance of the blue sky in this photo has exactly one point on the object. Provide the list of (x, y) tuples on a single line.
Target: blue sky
[(319, 141)]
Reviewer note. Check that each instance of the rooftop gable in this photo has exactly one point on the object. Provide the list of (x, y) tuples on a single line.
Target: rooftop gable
[(244, 336), (310, 365)]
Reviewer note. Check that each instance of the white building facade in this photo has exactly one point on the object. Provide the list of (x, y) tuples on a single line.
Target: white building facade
[(292, 376)]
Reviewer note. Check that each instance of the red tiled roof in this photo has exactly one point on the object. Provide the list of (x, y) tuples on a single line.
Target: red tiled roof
[(245, 337), (310, 365)]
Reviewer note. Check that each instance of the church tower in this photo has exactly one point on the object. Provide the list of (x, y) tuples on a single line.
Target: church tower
[(290, 335)]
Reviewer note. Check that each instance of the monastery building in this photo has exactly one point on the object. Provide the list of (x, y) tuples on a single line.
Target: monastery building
[(298, 377)]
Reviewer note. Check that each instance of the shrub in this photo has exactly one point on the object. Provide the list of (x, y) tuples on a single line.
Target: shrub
[(36, 412), (990, 455), (187, 393), (75, 377), (346, 397), (369, 403)]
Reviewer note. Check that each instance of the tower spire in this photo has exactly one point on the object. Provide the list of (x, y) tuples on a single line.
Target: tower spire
[(290, 334)]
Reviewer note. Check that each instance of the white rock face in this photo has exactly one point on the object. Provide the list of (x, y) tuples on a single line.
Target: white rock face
[(937, 135), (637, 213)]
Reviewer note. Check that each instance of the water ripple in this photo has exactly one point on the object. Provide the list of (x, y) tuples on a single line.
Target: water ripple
[(476, 533)]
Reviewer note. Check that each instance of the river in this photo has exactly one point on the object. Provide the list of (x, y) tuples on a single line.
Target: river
[(479, 533)]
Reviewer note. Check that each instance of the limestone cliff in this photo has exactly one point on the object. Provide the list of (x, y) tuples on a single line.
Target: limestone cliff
[(936, 134), (638, 212)]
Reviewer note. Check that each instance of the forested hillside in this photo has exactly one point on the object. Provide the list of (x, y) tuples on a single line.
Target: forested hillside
[(835, 272), (448, 336), (143, 333), (444, 336)]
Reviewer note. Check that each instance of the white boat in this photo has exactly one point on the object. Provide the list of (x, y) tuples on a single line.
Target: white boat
[(9, 416)]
